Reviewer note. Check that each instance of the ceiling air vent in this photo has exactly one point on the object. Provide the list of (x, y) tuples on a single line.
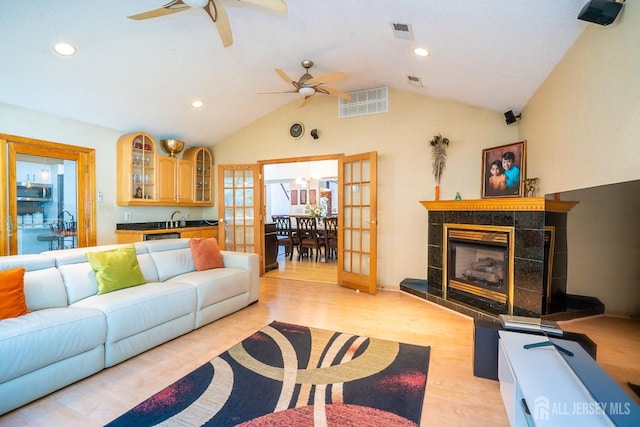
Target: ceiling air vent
[(364, 102), (402, 31), (415, 81)]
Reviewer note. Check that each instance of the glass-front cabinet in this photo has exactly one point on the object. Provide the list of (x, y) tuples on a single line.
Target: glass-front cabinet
[(203, 160), (146, 177), (136, 169)]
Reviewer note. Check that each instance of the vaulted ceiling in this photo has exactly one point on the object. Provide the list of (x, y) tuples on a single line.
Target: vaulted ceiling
[(142, 75)]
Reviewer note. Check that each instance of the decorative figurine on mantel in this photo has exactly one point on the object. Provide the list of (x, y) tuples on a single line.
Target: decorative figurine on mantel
[(530, 185), (439, 146)]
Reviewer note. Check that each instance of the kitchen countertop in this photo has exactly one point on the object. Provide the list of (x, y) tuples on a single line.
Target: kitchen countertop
[(161, 226)]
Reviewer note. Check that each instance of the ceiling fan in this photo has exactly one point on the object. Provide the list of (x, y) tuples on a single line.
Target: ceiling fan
[(214, 9), (308, 85)]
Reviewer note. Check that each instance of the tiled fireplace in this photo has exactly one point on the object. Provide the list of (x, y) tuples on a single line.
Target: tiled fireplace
[(492, 256)]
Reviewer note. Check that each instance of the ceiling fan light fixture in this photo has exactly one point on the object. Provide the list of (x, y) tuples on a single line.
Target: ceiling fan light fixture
[(306, 91), (65, 49), (196, 3), (420, 51)]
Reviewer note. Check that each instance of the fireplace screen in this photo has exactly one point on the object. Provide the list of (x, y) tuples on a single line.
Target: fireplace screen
[(484, 267), (478, 264)]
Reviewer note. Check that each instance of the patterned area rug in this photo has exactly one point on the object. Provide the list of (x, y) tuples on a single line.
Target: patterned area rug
[(290, 375)]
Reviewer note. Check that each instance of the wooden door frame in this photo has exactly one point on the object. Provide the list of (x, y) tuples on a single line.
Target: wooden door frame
[(263, 212), (10, 146)]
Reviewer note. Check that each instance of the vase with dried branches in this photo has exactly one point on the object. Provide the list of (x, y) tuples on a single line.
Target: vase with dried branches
[(439, 146)]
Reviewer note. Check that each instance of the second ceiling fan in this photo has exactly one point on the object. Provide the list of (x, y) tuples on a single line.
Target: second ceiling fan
[(308, 85), (215, 11)]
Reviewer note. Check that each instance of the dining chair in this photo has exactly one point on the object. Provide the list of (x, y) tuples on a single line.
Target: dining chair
[(330, 238), (286, 234), (308, 238)]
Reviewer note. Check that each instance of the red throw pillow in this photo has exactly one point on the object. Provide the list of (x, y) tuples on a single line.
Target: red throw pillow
[(12, 300), (206, 253)]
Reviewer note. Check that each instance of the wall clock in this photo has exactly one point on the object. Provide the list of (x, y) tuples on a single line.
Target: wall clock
[(296, 130)]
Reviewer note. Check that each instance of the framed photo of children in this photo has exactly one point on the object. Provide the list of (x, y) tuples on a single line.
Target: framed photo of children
[(503, 170)]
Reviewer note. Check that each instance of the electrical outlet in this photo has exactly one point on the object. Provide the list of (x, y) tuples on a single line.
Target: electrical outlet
[(127, 216)]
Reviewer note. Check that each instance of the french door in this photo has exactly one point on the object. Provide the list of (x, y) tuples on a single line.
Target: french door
[(357, 222), (238, 208), (242, 225)]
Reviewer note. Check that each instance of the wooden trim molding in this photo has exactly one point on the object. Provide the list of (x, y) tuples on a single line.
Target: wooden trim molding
[(506, 204)]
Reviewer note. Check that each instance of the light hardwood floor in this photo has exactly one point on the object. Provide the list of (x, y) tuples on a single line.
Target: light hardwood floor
[(454, 397), (305, 269)]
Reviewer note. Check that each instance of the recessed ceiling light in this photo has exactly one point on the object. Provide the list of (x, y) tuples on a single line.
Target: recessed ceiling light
[(198, 103), (65, 49), (420, 51)]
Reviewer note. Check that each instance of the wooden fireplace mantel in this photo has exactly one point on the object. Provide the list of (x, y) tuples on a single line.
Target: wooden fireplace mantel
[(505, 204)]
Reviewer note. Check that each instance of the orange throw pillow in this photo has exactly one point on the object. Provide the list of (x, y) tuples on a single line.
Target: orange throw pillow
[(206, 253), (12, 300)]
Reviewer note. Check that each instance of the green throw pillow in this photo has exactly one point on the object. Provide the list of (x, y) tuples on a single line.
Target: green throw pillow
[(116, 269)]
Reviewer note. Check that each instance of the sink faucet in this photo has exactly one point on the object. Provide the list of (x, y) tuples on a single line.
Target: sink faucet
[(173, 223)]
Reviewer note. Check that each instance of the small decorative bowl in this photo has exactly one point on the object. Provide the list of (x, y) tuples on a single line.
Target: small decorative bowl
[(172, 146)]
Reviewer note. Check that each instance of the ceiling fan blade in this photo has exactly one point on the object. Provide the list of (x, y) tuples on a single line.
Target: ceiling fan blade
[(220, 18), (277, 5), (306, 100), (327, 78), (286, 78), (279, 91), (334, 92), (169, 8)]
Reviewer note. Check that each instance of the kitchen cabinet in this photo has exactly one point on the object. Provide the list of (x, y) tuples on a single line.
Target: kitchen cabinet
[(201, 233), (175, 180), (136, 169), (203, 161), (132, 236), (145, 177)]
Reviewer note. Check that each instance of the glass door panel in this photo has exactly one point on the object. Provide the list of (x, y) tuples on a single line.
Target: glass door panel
[(357, 265), (237, 208)]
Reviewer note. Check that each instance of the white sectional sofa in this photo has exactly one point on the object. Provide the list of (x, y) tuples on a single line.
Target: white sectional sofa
[(72, 332)]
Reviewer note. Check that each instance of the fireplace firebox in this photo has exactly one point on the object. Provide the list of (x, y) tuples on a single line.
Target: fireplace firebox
[(479, 262)]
